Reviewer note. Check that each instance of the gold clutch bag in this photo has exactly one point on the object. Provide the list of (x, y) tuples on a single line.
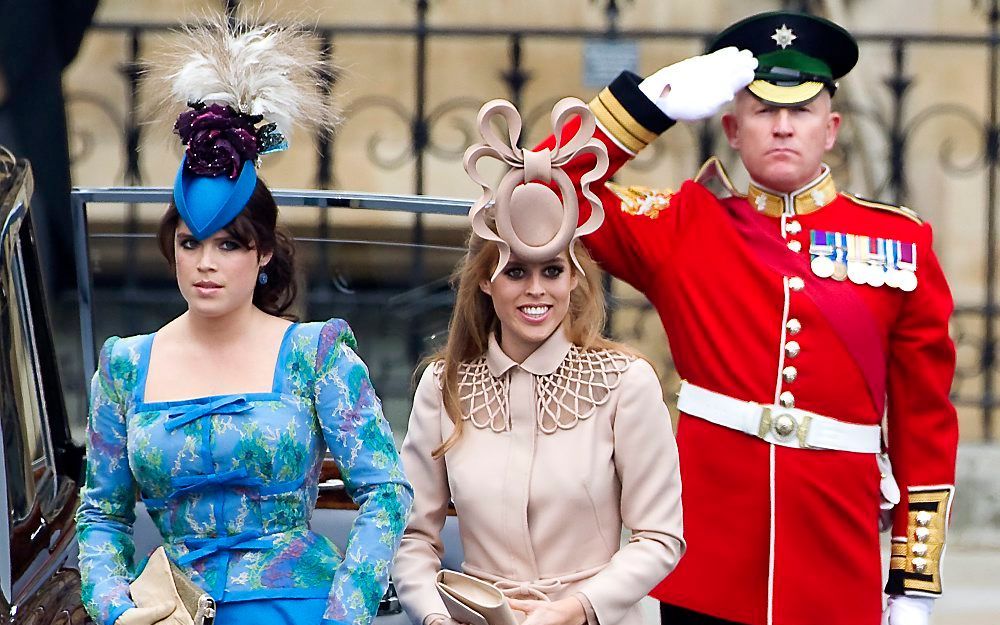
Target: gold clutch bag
[(162, 582), (473, 601)]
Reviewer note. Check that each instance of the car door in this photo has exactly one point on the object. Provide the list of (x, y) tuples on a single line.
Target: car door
[(41, 466)]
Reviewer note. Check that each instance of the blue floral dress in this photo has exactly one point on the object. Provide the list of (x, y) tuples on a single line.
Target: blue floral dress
[(231, 480)]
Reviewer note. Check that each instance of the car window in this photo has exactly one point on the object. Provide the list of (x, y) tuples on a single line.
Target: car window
[(23, 433), (399, 312)]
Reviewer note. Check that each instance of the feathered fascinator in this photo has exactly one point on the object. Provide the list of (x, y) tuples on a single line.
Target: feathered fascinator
[(523, 214), (236, 92)]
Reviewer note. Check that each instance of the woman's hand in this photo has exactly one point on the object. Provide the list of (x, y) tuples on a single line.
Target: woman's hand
[(568, 611), (145, 616), (441, 619)]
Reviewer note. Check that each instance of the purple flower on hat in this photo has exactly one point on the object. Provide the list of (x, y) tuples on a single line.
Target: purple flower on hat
[(219, 139)]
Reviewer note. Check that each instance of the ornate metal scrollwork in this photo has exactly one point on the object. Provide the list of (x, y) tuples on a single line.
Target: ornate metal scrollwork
[(83, 138)]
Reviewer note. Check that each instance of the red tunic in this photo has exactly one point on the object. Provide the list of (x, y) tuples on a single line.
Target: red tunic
[(776, 534)]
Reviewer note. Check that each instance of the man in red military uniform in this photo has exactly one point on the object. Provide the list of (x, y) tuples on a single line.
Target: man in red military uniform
[(799, 316)]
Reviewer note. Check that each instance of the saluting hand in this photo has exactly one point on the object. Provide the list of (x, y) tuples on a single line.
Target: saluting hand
[(568, 611), (698, 87)]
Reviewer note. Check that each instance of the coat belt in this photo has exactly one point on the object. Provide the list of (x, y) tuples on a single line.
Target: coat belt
[(541, 589)]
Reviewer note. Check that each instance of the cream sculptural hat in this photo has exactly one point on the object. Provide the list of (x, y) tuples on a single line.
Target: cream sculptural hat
[(523, 214)]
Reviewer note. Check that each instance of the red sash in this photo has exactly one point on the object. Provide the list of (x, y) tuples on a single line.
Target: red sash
[(845, 311)]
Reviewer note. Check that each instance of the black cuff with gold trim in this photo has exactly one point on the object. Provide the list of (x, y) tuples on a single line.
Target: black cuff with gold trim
[(626, 113), (915, 562)]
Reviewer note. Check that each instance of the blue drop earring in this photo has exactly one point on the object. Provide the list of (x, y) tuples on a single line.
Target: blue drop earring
[(262, 277)]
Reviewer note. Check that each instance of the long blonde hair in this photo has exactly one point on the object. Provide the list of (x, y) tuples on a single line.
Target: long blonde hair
[(473, 319)]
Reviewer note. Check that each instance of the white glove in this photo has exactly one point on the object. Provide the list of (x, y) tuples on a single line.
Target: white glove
[(145, 616), (700, 85), (904, 610)]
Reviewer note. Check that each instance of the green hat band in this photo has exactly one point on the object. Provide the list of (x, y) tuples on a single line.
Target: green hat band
[(793, 59)]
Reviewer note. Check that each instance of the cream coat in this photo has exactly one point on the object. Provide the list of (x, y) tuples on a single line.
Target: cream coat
[(556, 454)]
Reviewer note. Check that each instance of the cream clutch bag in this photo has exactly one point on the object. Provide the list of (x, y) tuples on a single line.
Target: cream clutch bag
[(473, 601), (162, 582)]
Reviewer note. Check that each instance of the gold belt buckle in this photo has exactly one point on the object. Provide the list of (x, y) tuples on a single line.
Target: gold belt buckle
[(803, 431), (765, 422)]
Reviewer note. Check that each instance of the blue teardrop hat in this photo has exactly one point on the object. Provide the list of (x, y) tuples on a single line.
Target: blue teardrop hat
[(208, 203)]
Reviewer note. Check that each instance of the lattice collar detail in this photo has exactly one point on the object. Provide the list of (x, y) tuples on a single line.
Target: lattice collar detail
[(570, 384)]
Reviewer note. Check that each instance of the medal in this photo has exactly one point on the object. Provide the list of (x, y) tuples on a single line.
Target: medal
[(891, 271), (908, 281), (876, 262), (823, 266), (855, 264), (908, 266), (821, 250), (840, 256)]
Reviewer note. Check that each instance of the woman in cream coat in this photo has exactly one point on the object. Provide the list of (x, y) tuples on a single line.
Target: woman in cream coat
[(547, 436)]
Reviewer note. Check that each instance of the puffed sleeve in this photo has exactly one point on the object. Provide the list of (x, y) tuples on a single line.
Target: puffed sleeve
[(922, 428), (107, 499), (647, 466), (361, 443), (419, 557)]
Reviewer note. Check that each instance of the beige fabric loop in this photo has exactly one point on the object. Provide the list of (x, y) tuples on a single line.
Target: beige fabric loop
[(565, 110), (543, 166), (537, 165), (501, 110), (527, 590)]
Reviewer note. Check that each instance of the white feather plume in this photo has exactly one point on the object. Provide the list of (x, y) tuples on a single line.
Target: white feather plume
[(276, 71)]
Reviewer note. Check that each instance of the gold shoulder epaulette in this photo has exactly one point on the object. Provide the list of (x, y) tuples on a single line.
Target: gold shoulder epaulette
[(638, 200), (892, 208)]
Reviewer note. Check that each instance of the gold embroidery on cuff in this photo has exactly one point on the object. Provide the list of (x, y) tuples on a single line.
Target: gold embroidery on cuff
[(925, 539), (622, 114), (617, 120)]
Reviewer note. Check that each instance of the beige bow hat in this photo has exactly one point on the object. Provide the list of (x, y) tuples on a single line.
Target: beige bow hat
[(529, 218)]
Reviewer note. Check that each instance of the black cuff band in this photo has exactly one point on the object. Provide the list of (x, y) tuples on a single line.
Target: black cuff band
[(625, 88)]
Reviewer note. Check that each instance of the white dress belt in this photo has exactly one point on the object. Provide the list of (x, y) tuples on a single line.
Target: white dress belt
[(788, 427)]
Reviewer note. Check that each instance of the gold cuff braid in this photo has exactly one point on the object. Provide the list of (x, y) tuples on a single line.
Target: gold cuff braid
[(918, 559), (616, 119)]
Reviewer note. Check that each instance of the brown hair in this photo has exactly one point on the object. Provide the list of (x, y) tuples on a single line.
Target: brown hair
[(256, 227), (473, 319)]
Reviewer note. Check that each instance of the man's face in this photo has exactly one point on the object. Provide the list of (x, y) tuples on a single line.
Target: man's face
[(781, 147)]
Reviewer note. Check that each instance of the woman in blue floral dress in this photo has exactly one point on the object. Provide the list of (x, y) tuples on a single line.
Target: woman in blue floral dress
[(220, 421)]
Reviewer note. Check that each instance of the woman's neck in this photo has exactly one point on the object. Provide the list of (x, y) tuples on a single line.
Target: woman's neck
[(516, 350), (228, 328)]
